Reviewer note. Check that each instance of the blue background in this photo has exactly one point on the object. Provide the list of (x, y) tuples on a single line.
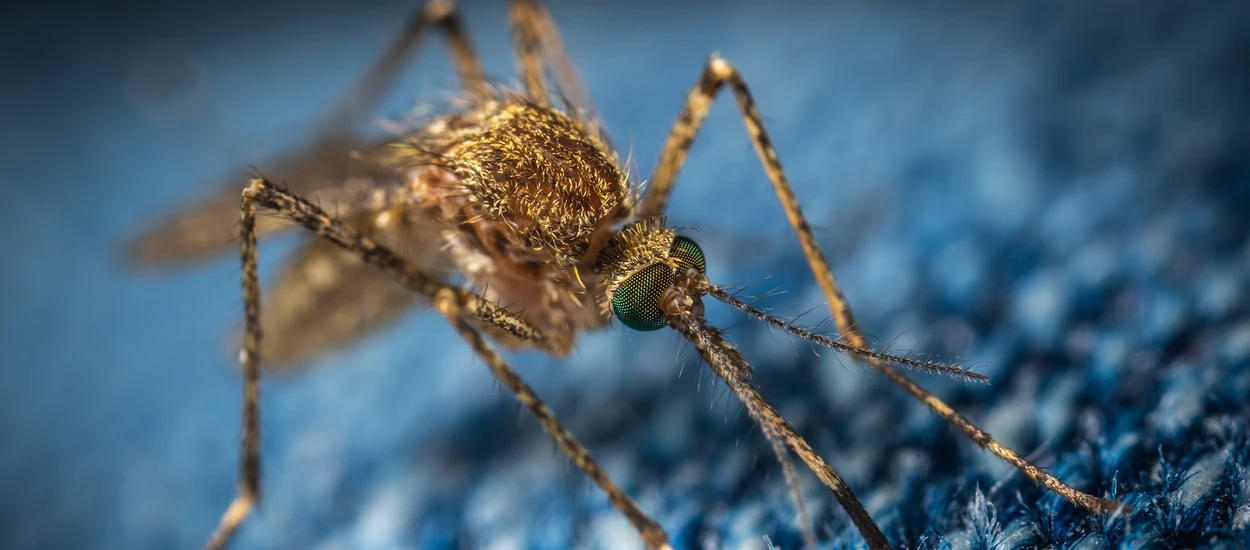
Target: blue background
[(1055, 192)]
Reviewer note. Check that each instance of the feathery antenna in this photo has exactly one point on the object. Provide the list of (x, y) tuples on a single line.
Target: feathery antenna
[(929, 366)]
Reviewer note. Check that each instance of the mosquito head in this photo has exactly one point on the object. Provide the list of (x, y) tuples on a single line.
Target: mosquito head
[(638, 265)]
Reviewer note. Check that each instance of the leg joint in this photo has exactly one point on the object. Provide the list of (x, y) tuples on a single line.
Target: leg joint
[(446, 303), (254, 189), (438, 10), (721, 69)]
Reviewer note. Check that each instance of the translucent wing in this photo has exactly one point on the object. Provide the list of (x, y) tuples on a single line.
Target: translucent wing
[(209, 227), (325, 297)]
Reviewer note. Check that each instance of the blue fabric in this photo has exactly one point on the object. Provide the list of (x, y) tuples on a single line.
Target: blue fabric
[(1055, 193)]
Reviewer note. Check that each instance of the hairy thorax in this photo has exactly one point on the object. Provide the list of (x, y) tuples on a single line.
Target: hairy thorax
[(528, 195)]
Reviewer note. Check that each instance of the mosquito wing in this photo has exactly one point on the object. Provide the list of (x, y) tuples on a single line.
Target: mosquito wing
[(209, 227), (326, 297)]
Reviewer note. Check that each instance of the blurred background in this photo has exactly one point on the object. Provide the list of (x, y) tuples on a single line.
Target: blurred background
[(1054, 192)]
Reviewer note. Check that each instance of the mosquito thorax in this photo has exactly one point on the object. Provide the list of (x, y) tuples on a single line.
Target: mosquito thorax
[(638, 265), (547, 179)]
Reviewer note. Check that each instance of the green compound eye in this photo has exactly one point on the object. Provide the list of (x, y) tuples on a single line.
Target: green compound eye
[(689, 255), (637, 301)]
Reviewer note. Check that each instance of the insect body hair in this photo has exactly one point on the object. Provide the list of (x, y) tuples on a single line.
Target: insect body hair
[(550, 175)]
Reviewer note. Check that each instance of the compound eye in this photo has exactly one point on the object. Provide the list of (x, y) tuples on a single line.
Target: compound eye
[(636, 301), (688, 255)]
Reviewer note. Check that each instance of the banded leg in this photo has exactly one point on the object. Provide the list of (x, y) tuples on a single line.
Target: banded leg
[(367, 92), (264, 194), (787, 468), (451, 307), (683, 307), (537, 39), (720, 73), (209, 227)]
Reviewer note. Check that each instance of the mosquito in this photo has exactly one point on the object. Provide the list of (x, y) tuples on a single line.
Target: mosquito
[(520, 193)]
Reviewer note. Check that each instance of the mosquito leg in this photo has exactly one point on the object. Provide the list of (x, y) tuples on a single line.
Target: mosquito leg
[(682, 305), (367, 91), (792, 481), (202, 231), (529, 51), (720, 73), (248, 492), (313, 218), (262, 193), (538, 38), (452, 307)]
